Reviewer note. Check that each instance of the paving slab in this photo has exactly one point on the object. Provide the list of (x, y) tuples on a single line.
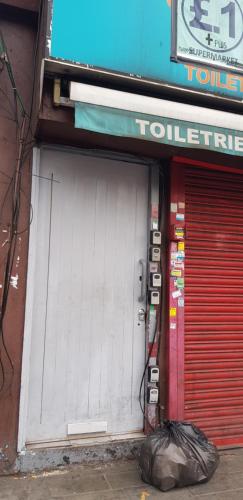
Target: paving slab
[(121, 480), (227, 495), (231, 462), (219, 483), (63, 486), (14, 488), (129, 478), (137, 493)]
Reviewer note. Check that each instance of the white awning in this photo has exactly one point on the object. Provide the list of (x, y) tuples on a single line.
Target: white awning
[(89, 94)]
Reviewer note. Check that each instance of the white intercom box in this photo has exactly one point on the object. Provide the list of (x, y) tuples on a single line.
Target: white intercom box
[(155, 254), (156, 238), (155, 298), (153, 374), (156, 280), (153, 395)]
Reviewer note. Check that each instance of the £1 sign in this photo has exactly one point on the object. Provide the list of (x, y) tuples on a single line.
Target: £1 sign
[(210, 32)]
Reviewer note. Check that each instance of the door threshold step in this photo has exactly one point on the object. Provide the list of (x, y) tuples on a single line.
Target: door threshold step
[(83, 440), (51, 457)]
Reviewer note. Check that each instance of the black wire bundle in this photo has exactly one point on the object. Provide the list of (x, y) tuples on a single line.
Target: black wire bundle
[(23, 121), (158, 316)]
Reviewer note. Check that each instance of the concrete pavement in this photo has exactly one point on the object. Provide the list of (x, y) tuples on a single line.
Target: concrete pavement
[(121, 481)]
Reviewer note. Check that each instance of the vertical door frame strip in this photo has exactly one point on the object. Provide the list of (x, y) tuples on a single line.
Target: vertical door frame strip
[(175, 335), (24, 392), (164, 213), (153, 312)]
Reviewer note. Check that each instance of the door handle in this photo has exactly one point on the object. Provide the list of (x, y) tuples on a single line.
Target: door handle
[(142, 279)]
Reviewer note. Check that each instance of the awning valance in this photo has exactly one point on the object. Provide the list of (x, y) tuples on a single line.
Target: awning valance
[(129, 115)]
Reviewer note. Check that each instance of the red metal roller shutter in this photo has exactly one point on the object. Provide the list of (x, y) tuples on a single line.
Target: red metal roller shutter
[(214, 304)]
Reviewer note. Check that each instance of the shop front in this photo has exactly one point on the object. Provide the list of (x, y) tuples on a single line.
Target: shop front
[(134, 308), (103, 311)]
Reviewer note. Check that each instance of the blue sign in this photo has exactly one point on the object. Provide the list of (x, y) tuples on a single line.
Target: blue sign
[(132, 37)]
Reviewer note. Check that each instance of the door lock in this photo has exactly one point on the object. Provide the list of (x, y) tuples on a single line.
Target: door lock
[(141, 315)]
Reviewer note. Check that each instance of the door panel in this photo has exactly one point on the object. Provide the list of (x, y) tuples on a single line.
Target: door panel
[(88, 348)]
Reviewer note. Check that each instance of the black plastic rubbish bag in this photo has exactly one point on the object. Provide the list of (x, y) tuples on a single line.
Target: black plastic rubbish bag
[(177, 454)]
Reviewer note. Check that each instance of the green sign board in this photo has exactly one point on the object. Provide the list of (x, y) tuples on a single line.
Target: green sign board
[(209, 32), (169, 131)]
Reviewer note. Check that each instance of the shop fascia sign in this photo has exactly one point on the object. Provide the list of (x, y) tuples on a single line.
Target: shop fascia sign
[(209, 32), (124, 114), (133, 39), (169, 131)]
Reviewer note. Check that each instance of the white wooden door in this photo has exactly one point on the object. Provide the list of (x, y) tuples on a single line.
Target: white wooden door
[(88, 347)]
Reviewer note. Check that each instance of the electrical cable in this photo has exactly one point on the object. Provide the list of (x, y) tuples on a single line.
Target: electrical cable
[(20, 117), (144, 373), (10, 105), (156, 323), (163, 272), (5, 59)]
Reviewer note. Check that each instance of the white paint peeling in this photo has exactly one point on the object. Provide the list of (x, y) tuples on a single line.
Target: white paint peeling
[(14, 281), (18, 261), (1, 285), (49, 38), (49, 45), (5, 242), (53, 473), (4, 231)]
